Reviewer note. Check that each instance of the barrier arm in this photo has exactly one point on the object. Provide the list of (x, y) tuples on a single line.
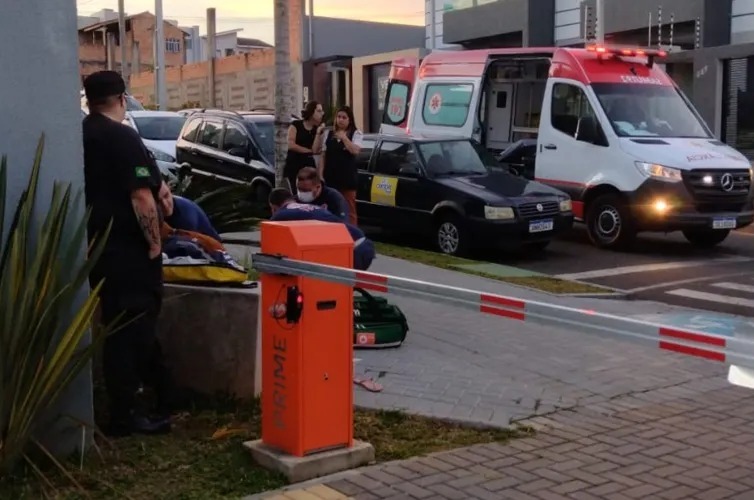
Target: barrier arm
[(737, 351)]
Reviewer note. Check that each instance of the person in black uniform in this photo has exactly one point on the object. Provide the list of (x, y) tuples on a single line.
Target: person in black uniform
[(304, 141), (122, 183)]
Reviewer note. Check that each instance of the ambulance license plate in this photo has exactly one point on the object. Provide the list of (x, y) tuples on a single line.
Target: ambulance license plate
[(724, 223)]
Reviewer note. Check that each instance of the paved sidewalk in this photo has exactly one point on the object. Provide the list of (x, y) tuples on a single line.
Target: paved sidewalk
[(697, 444)]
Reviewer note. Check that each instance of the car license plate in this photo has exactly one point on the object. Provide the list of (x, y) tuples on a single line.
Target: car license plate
[(724, 223), (538, 226)]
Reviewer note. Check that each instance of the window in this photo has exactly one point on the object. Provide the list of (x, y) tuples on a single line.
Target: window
[(235, 138), (159, 128), (211, 134), (447, 104), (646, 110), (569, 104), (393, 156), (397, 103), (455, 158), (172, 45), (362, 160), (191, 129)]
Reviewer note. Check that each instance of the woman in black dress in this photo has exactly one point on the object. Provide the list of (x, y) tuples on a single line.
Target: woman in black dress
[(304, 141)]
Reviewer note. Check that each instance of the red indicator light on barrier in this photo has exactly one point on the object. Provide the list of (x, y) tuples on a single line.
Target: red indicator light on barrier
[(294, 305)]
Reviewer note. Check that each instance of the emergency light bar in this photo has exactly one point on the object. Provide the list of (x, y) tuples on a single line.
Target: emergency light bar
[(650, 54)]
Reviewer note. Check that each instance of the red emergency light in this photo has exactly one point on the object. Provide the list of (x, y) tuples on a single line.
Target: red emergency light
[(650, 54)]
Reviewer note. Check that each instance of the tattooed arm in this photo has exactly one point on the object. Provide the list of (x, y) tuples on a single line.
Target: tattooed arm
[(145, 209)]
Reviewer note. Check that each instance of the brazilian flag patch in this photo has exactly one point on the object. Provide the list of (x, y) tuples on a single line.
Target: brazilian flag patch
[(142, 172)]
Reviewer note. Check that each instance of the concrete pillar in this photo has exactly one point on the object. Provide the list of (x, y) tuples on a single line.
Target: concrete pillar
[(37, 106)]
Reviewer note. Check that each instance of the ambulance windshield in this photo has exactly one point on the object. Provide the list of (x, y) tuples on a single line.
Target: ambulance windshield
[(649, 111)]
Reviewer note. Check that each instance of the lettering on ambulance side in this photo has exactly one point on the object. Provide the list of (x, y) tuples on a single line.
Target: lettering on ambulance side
[(640, 79), (383, 190)]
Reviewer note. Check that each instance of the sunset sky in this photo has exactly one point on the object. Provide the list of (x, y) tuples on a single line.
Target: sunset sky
[(255, 16)]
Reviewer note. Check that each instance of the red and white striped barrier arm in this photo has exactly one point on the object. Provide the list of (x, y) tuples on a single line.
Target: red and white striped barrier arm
[(730, 350)]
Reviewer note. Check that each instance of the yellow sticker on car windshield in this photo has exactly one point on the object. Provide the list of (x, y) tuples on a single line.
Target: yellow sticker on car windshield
[(383, 190)]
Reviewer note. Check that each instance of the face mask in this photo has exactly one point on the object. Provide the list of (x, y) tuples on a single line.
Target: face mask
[(306, 196)]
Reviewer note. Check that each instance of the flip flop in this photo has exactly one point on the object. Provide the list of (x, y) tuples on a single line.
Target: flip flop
[(368, 384)]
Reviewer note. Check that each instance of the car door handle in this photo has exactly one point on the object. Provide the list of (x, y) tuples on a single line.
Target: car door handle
[(550, 146)]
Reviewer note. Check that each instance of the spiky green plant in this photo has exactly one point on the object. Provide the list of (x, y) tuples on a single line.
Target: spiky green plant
[(43, 321)]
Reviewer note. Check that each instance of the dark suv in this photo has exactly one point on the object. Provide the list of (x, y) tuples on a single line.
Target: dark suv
[(230, 147)]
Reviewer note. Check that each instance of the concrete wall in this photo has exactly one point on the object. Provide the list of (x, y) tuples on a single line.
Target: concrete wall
[(38, 106), (484, 21), (354, 38), (242, 82)]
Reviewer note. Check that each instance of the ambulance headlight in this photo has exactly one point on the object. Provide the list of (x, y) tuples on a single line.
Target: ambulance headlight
[(659, 171)]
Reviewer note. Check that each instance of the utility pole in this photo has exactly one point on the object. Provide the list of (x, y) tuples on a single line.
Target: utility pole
[(599, 24), (283, 92), (311, 29), (159, 70), (122, 40), (211, 52)]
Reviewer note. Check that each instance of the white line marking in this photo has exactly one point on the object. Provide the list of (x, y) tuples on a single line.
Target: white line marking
[(671, 284), (735, 286), (711, 297), (645, 268)]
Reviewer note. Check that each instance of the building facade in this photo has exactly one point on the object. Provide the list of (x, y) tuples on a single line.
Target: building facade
[(99, 45), (710, 43)]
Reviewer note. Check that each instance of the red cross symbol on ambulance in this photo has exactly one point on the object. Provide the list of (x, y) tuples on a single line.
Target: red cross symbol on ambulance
[(435, 103)]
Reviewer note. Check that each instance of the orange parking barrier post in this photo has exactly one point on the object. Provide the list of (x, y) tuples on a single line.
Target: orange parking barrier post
[(307, 342)]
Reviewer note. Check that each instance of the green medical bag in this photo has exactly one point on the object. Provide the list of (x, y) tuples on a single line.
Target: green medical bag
[(377, 323)]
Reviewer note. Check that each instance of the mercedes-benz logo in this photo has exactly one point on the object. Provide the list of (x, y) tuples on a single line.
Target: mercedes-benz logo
[(726, 182), (540, 207)]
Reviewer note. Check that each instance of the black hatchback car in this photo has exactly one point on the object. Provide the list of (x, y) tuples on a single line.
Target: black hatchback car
[(230, 147), (455, 191)]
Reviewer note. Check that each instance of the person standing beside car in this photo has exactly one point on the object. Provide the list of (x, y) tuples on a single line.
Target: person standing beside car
[(338, 165), (121, 187), (304, 141)]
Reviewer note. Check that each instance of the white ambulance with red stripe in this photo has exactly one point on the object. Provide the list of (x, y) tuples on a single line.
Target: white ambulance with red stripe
[(612, 130)]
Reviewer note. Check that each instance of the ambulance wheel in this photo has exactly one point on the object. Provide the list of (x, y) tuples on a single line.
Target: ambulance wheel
[(450, 235), (608, 222), (706, 238)]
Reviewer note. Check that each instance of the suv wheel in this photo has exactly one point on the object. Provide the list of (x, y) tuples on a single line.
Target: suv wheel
[(609, 223), (706, 238), (450, 235)]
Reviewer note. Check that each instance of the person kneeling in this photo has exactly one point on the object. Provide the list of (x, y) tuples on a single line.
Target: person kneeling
[(285, 207)]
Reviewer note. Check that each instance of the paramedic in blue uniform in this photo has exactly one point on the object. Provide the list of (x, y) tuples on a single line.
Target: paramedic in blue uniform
[(182, 213), (310, 188), (285, 207), (121, 185)]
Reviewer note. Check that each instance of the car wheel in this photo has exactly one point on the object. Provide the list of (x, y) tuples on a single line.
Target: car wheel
[(450, 235), (705, 238), (609, 222)]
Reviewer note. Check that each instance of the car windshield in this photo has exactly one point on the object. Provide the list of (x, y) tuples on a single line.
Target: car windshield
[(159, 128), (456, 157), (638, 110), (264, 135)]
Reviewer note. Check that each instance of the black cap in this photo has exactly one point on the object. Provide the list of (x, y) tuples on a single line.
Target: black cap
[(104, 84)]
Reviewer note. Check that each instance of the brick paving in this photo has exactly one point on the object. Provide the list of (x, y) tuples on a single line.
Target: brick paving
[(690, 447)]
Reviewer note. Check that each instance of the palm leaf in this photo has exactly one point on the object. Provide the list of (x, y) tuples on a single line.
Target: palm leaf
[(45, 320)]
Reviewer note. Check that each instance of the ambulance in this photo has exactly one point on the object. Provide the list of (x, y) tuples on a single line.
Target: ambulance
[(607, 124)]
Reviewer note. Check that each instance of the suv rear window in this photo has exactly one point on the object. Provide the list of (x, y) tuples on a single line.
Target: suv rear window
[(191, 129), (362, 160)]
